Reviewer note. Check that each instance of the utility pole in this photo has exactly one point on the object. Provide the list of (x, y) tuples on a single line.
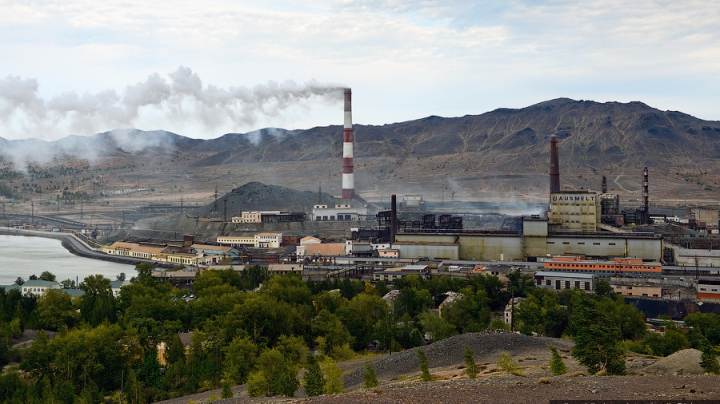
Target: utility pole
[(32, 212)]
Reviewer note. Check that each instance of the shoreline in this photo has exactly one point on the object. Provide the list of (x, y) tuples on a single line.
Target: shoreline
[(74, 245)]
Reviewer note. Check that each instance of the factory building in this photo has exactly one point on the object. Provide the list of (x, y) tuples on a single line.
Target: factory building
[(535, 243), (574, 211), (341, 212), (268, 217)]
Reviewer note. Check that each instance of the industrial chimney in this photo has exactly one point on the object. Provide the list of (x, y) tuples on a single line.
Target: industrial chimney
[(554, 165), (604, 185), (393, 218), (645, 190), (348, 180)]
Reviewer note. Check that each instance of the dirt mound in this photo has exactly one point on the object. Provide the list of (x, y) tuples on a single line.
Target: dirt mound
[(685, 362), (451, 351), (255, 196)]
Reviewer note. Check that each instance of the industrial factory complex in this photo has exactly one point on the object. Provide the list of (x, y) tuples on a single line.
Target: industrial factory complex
[(580, 236)]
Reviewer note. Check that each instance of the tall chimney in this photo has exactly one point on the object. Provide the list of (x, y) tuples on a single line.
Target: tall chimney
[(393, 218), (554, 165), (348, 179), (604, 185), (645, 189)]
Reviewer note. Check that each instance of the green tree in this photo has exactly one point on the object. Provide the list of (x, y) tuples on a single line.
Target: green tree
[(279, 371), (436, 326), (508, 365), (55, 310), (708, 359), (333, 377), (313, 380), (471, 313), (330, 327), (597, 340), (97, 304), (226, 389), (425, 375), (603, 288), (47, 276), (557, 366), (471, 368), (240, 358), (258, 385), (370, 376)]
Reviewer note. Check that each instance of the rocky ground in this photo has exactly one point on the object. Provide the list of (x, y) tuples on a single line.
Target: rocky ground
[(675, 377)]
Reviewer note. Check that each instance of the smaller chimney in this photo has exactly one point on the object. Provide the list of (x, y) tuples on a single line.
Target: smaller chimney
[(393, 218), (554, 165), (604, 185), (645, 189)]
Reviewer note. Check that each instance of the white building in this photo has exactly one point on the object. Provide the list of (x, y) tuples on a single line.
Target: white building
[(38, 287), (268, 240), (342, 212), (236, 241)]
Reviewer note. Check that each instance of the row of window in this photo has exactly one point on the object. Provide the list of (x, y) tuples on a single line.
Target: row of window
[(559, 284), (326, 218)]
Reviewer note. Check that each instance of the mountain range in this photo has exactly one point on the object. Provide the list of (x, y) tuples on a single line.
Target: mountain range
[(505, 151)]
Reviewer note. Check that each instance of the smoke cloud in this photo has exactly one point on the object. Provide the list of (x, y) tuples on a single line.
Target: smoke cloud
[(181, 96)]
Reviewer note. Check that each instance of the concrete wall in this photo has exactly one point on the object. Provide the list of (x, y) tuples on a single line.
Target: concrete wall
[(432, 251), (517, 248)]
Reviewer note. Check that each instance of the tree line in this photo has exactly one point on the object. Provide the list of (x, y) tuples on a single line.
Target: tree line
[(241, 332)]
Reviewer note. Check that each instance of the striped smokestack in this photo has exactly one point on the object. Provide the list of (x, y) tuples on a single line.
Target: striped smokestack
[(554, 165), (348, 179)]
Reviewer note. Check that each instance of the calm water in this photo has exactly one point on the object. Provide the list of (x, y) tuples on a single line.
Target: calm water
[(24, 256)]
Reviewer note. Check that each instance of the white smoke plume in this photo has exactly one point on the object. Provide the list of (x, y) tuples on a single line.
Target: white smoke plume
[(182, 96)]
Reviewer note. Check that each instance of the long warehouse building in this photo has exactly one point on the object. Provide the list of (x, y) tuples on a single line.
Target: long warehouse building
[(535, 242)]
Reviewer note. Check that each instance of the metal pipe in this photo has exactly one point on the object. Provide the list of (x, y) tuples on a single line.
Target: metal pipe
[(348, 177), (554, 165)]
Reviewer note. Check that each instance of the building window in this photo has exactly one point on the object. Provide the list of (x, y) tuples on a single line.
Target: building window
[(611, 243), (596, 243)]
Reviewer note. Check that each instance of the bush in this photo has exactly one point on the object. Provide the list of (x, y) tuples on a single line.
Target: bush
[(508, 365), (370, 376), (708, 359), (313, 380), (471, 369), (257, 385), (342, 352), (333, 377), (557, 366), (226, 390), (425, 375)]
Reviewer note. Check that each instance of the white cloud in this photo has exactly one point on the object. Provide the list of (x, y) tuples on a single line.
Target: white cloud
[(451, 57)]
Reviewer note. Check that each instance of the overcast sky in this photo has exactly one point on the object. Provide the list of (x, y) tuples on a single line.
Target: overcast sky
[(202, 69)]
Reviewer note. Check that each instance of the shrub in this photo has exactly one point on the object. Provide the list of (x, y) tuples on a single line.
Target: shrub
[(342, 352), (425, 375), (333, 377), (370, 376), (508, 365), (557, 366), (226, 390), (313, 380), (708, 359), (471, 369), (257, 385)]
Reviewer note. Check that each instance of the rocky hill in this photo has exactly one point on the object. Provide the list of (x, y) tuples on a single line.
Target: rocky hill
[(476, 156)]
